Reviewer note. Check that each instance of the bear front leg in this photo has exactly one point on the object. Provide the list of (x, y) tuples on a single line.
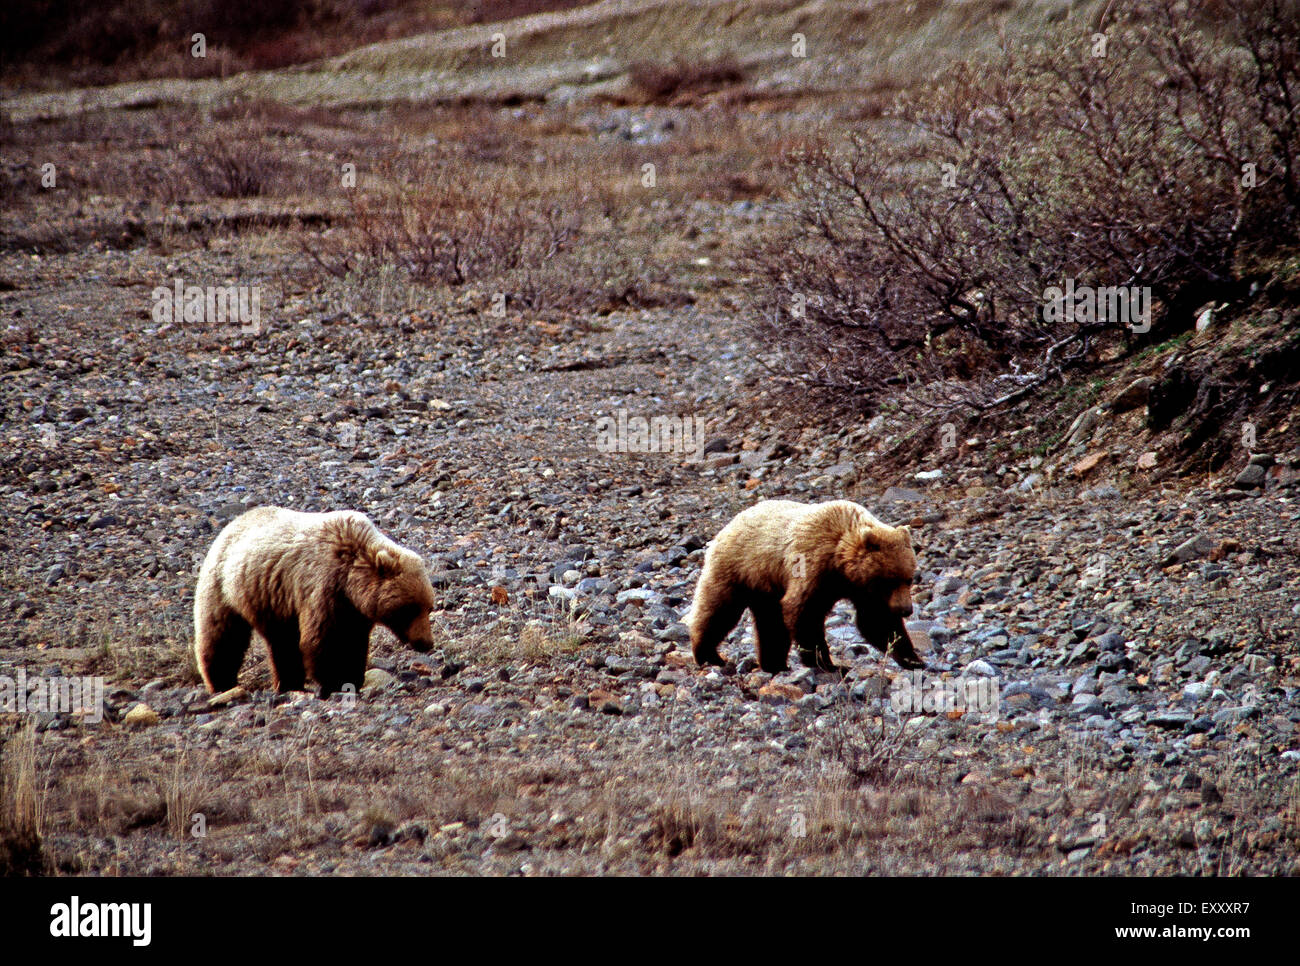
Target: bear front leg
[(713, 615), (342, 662), (221, 639), (336, 655), (805, 619), (771, 637), (886, 632)]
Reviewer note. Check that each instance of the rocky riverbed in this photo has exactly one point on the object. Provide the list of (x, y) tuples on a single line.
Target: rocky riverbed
[(1141, 640)]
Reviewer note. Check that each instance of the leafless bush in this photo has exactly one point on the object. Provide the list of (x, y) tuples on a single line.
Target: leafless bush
[(234, 166), (440, 224), (923, 249), (870, 748)]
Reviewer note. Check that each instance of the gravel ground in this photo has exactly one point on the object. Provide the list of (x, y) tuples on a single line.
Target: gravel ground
[(1142, 642)]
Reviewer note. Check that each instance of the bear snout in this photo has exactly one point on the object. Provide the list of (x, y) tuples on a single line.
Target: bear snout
[(419, 636)]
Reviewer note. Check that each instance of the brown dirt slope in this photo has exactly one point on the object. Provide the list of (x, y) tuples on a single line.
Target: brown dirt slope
[(588, 52)]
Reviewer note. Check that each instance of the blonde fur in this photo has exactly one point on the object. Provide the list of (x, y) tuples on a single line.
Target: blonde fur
[(788, 563), (312, 585)]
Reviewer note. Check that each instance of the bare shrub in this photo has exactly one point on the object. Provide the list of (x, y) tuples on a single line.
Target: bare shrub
[(439, 224), (861, 739), (541, 239), (921, 250), (234, 166), (869, 755)]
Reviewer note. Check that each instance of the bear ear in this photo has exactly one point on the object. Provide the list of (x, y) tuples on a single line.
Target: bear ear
[(869, 540), (387, 564)]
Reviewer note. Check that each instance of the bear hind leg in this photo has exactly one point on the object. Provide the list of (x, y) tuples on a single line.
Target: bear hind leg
[(220, 642), (285, 656), (714, 614)]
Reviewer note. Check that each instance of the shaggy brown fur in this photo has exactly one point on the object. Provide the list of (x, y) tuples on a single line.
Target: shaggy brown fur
[(788, 563), (313, 585)]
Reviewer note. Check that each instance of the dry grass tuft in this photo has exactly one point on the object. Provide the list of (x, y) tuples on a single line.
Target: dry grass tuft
[(22, 806)]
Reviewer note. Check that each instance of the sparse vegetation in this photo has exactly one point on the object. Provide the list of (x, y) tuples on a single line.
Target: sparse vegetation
[(870, 748), (922, 249), (45, 40), (560, 725), (438, 223), (22, 805)]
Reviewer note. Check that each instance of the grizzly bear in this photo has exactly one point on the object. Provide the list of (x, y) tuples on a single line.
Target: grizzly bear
[(789, 563), (313, 585)]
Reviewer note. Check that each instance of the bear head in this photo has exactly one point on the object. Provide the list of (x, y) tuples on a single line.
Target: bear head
[(878, 561), (389, 585)]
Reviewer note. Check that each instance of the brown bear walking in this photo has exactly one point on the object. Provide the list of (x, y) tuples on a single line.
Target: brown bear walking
[(789, 563), (313, 585)]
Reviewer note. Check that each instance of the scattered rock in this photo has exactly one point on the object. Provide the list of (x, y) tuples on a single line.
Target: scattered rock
[(377, 679), (1190, 549), (902, 495), (1088, 463), (141, 716), (780, 693), (235, 695), (1132, 396), (1251, 477), (1081, 429)]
